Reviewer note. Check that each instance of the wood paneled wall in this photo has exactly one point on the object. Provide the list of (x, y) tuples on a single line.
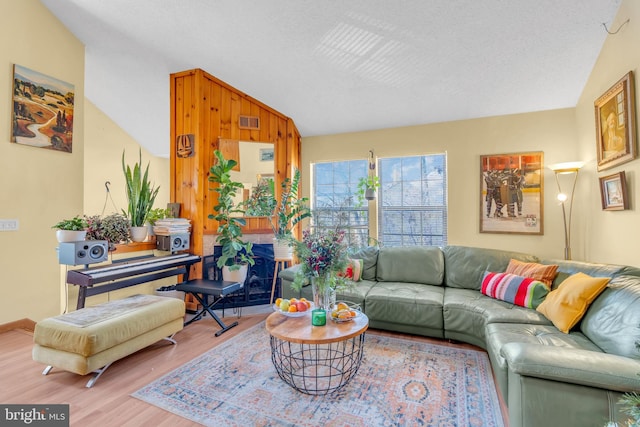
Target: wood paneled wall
[(209, 109)]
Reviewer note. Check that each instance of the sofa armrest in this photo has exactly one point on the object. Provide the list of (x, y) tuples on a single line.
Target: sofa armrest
[(584, 367)]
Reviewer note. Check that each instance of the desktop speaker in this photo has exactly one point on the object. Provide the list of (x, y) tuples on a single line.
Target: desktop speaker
[(173, 242), (83, 252)]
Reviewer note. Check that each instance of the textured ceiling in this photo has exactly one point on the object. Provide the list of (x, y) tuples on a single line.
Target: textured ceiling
[(339, 65)]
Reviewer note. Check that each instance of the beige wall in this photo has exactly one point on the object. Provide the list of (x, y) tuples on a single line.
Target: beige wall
[(105, 142), (609, 236), (37, 186), (552, 132)]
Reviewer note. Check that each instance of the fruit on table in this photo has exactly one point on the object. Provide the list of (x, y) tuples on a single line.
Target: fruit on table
[(343, 311), (301, 306), (284, 305)]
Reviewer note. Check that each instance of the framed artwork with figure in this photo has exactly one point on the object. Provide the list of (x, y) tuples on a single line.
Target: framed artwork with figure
[(616, 124), (511, 193)]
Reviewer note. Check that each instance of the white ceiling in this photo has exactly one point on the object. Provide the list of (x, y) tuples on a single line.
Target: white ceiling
[(339, 65)]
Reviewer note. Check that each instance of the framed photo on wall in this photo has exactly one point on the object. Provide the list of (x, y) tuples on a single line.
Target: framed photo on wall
[(511, 193), (615, 124), (613, 191)]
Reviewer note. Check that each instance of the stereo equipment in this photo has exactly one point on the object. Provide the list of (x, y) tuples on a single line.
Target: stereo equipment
[(173, 242), (83, 252)]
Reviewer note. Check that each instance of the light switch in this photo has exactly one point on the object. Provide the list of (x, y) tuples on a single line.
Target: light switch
[(9, 225)]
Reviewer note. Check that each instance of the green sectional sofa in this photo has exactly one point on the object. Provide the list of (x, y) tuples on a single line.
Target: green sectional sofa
[(546, 377)]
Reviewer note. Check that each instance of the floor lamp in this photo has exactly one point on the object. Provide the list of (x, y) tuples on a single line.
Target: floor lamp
[(566, 169)]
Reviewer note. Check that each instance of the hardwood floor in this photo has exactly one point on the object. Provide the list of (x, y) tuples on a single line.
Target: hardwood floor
[(108, 402)]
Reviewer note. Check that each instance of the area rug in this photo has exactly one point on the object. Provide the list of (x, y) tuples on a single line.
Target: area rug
[(400, 383)]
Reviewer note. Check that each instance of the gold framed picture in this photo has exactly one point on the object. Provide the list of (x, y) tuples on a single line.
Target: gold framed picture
[(615, 124), (511, 193), (613, 191)]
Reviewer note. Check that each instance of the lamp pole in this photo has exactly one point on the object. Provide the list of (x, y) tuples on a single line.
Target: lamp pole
[(562, 169)]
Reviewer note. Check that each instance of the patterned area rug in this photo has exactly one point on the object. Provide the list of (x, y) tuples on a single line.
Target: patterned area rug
[(400, 383)]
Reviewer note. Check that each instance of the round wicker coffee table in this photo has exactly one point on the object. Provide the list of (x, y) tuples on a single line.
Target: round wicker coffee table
[(316, 359)]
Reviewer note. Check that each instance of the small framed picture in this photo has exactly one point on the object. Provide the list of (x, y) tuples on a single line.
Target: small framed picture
[(266, 154), (613, 190), (615, 124)]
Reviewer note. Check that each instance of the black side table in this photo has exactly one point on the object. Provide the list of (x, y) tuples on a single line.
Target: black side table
[(218, 289)]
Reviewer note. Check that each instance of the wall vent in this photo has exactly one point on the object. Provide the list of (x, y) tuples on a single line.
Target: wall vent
[(249, 122)]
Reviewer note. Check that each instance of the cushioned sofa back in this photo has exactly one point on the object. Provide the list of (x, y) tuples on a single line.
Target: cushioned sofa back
[(465, 266), (414, 264), (612, 321), (568, 268), (369, 256)]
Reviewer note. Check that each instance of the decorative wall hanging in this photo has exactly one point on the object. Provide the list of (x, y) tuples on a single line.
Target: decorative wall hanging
[(613, 191), (616, 124), (184, 145), (511, 193), (42, 110)]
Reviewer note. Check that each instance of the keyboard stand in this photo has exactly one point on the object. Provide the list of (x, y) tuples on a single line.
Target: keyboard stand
[(201, 289)]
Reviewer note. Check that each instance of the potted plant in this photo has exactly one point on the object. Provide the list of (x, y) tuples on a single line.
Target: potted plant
[(71, 230), (140, 197), (154, 215), (113, 228), (236, 253), (367, 189), (287, 213)]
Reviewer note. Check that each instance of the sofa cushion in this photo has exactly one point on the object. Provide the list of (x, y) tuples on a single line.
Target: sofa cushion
[(369, 257), (406, 303), (411, 264), (354, 269), (465, 266), (499, 334), (566, 305), (466, 312), (542, 272), (613, 319), (522, 291)]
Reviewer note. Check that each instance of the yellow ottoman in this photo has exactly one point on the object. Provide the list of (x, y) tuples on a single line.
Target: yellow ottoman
[(90, 339)]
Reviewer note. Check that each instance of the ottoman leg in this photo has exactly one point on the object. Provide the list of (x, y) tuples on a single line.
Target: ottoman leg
[(47, 370), (98, 372)]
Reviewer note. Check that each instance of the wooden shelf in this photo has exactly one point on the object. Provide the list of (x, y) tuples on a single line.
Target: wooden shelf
[(135, 247)]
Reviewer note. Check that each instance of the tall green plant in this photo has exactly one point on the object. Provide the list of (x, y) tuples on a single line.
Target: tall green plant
[(290, 210), (234, 249), (140, 192)]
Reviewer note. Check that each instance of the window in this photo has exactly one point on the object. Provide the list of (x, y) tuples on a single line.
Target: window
[(413, 201), (334, 202)]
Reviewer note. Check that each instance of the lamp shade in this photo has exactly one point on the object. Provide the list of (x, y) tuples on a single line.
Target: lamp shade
[(566, 167)]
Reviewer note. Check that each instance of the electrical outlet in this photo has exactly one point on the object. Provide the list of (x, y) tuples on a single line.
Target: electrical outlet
[(8, 225)]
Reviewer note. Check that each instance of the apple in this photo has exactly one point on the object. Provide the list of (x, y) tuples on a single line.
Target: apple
[(284, 305), (301, 306)]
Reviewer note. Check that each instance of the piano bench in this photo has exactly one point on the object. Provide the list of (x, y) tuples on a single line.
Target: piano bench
[(90, 339)]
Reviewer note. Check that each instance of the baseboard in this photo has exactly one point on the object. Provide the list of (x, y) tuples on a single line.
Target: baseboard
[(26, 324)]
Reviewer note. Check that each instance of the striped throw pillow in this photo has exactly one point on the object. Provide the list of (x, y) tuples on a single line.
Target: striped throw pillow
[(542, 272), (518, 290)]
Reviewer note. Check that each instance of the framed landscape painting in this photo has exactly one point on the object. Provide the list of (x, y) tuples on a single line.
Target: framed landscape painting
[(613, 192), (615, 124), (511, 193), (42, 110)]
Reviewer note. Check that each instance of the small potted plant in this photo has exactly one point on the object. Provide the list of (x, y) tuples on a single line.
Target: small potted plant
[(155, 215), (140, 197), (289, 211), (71, 230), (367, 189), (236, 253), (113, 228)]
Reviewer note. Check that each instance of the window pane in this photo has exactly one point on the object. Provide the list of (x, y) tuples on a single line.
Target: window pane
[(413, 201)]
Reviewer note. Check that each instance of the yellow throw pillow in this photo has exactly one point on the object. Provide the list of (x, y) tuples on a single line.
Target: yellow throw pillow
[(566, 305), (542, 272)]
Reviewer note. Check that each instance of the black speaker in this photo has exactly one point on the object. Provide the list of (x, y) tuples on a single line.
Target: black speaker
[(173, 242), (83, 252)]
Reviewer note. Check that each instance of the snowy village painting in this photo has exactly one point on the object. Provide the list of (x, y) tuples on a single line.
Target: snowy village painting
[(42, 110)]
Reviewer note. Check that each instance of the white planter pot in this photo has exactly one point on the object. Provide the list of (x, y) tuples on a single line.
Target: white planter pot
[(282, 250), (71, 235), (138, 234), (239, 275)]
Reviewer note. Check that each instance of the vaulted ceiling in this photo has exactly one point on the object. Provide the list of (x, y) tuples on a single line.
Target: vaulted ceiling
[(339, 65)]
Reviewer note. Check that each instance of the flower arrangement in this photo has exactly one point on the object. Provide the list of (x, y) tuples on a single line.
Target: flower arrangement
[(323, 258)]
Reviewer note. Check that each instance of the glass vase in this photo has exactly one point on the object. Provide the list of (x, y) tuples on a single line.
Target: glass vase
[(324, 296)]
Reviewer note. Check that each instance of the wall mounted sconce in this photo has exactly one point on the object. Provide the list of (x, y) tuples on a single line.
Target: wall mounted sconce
[(566, 168)]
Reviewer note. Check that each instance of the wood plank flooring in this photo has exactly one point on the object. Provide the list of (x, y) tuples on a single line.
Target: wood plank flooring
[(108, 402)]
